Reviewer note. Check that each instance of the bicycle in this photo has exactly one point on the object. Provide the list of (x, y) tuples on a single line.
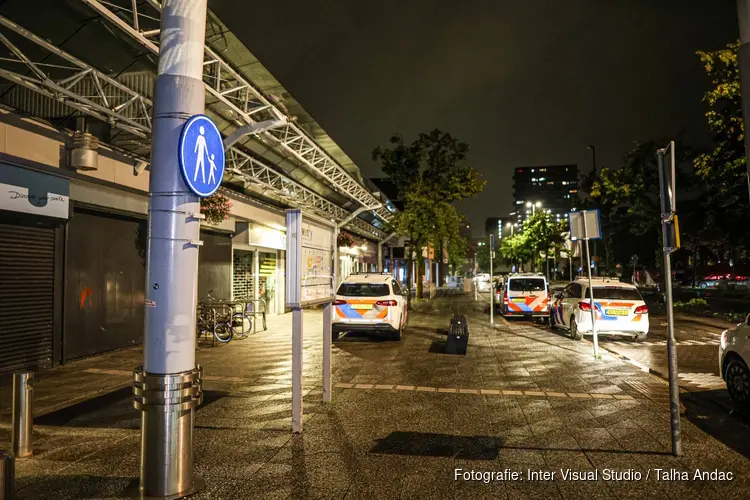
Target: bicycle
[(243, 320), (208, 320)]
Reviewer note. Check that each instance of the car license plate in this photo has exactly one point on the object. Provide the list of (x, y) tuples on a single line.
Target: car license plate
[(519, 299), (618, 312), (361, 306)]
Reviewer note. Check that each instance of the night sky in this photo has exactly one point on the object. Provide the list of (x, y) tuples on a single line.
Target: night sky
[(523, 83)]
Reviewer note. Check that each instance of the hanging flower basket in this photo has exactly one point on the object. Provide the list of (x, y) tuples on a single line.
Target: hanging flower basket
[(345, 240), (216, 208)]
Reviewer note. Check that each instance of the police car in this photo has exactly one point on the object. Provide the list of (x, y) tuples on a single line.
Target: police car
[(523, 295), (619, 309), (734, 355), (372, 303)]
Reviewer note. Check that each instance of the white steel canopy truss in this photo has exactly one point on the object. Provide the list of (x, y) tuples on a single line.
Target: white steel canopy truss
[(243, 102), (81, 87)]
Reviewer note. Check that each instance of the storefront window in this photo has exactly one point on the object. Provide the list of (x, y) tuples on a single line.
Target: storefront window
[(242, 275), (267, 280)]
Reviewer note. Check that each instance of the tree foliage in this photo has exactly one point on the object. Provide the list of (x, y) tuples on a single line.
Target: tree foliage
[(544, 234), (723, 169), (516, 249), (430, 174)]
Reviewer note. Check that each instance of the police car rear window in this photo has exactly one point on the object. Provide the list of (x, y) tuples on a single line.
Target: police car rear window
[(363, 290), (614, 293), (526, 285)]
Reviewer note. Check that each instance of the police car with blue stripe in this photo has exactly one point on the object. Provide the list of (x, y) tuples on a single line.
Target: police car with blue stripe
[(619, 309), (372, 303)]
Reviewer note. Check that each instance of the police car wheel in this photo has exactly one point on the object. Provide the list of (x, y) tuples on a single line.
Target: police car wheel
[(738, 383), (574, 333)]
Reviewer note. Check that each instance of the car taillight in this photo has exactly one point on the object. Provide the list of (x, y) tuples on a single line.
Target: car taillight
[(339, 302), (641, 309), (584, 306), (386, 303)]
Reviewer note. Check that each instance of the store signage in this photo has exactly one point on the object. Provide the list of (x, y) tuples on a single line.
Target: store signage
[(30, 192), (201, 155), (264, 236)]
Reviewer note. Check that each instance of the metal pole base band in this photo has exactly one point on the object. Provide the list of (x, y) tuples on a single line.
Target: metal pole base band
[(167, 403)]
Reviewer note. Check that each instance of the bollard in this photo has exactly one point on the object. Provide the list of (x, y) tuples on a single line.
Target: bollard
[(7, 475), (167, 404), (23, 418)]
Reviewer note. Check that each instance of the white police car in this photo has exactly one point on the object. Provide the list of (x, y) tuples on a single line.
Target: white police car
[(734, 354), (372, 303), (619, 309)]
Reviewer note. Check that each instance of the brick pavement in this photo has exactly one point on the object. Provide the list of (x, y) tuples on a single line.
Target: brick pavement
[(403, 419)]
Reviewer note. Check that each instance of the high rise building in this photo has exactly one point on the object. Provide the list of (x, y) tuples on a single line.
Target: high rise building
[(551, 188), (491, 225)]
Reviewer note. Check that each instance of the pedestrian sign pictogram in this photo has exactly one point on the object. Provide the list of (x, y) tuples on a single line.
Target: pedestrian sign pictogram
[(201, 155)]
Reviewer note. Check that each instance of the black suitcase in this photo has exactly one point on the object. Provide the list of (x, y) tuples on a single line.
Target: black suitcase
[(458, 335)]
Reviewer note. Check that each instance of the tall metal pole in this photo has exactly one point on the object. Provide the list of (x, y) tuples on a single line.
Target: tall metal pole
[(591, 288), (674, 387), (492, 291), (168, 385), (743, 16)]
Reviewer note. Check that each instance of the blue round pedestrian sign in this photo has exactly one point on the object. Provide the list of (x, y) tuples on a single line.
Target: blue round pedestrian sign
[(201, 155)]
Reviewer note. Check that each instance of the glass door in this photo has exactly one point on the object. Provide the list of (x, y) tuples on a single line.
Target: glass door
[(267, 280)]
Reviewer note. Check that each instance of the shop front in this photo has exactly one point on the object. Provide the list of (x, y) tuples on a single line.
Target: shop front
[(34, 207), (356, 254), (258, 265)]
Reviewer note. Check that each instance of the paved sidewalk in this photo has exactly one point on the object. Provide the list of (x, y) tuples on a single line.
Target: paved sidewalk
[(404, 418)]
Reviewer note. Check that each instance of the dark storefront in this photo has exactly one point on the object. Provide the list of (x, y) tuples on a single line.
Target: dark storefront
[(33, 209), (105, 276), (105, 279), (215, 265)]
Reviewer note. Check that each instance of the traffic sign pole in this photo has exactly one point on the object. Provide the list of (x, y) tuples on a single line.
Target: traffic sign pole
[(492, 291), (167, 387), (667, 207), (591, 288)]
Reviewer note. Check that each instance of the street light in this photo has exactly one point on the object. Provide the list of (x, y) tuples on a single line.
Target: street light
[(593, 156), (533, 206)]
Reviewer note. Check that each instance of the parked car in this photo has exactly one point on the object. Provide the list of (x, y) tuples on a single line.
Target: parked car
[(619, 309), (723, 281), (523, 295), (734, 355), (373, 303)]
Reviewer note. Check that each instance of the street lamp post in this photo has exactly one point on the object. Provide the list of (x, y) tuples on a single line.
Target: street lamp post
[(533, 213), (593, 167)]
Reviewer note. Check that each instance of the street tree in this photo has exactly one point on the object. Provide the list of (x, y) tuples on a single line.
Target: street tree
[(723, 168), (516, 249), (430, 174), (544, 233), (483, 257)]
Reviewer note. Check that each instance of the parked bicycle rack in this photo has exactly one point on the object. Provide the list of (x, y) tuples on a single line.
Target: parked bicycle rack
[(220, 318)]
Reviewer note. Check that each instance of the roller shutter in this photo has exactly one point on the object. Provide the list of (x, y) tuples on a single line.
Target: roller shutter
[(27, 301)]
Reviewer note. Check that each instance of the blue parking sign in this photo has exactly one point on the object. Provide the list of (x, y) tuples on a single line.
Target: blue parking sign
[(201, 155)]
